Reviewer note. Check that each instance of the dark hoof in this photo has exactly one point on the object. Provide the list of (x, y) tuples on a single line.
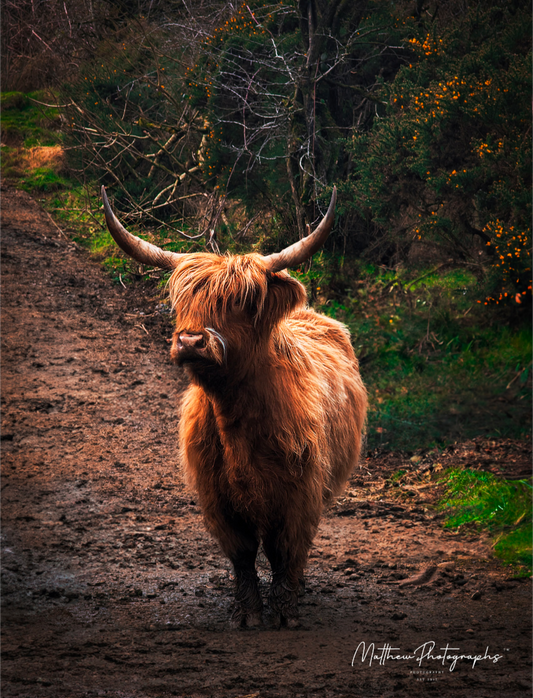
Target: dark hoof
[(292, 623), (280, 621), (254, 620), (240, 618), (283, 602)]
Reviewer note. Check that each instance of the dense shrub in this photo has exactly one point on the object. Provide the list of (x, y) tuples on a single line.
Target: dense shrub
[(447, 172)]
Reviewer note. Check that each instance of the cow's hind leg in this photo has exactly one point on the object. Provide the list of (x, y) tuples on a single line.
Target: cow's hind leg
[(240, 542)]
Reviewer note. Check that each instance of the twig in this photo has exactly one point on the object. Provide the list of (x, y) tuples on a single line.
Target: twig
[(423, 578), (61, 232), (429, 273), (52, 106), (518, 375)]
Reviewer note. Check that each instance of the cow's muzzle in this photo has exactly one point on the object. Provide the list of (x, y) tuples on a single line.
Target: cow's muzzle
[(190, 347)]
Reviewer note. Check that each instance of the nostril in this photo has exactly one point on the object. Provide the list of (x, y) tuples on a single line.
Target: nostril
[(192, 341)]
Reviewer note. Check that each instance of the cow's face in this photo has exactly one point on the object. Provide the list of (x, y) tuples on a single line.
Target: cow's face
[(226, 308)]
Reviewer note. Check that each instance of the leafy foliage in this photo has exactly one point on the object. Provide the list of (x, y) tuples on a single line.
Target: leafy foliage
[(130, 124), (447, 171)]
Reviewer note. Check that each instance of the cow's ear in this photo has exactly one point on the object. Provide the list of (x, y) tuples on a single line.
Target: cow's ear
[(284, 295)]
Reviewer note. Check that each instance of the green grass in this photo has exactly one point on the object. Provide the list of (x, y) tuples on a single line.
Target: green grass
[(31, 152), (44, 179), (439, 366), (481, 501), (27, 123), (433, 398)]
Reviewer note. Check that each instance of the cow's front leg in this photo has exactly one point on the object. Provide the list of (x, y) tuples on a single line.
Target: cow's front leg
[(239, 542), (287, 577), (248, 606)]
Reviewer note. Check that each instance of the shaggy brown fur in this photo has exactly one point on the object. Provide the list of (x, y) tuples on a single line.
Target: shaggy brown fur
[(271, 423)]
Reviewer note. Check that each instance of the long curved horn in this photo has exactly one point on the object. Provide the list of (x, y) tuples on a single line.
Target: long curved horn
[(142, 251), (302, 250)]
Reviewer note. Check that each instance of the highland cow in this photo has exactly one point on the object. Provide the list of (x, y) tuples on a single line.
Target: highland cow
[(271, 422)]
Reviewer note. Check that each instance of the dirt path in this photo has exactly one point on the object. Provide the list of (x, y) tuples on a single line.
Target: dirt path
[(112, 588)]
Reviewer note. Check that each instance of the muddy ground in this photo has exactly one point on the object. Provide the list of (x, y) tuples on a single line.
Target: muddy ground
[(111, 587)]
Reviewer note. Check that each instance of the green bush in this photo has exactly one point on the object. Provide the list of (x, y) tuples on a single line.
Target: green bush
[(447, 171)]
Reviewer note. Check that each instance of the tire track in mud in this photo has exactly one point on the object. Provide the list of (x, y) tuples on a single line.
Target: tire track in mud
[(111, 585)]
